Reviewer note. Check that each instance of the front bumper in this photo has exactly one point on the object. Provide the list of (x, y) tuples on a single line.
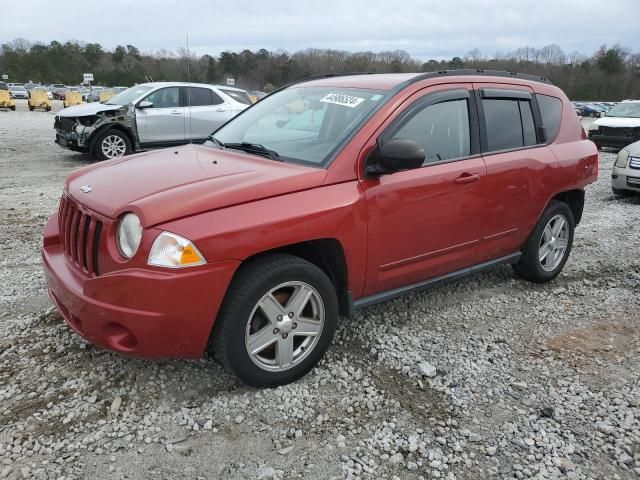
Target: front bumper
[(625, 179), (150, 313), (612, 140)]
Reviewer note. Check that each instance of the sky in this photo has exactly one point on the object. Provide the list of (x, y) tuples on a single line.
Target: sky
[(437, 29)]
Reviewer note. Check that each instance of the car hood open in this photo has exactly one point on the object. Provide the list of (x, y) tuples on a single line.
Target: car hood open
[(86, 109), (176, 182)]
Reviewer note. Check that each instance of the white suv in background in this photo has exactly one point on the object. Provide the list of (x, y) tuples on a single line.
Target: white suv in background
[(149, 115)]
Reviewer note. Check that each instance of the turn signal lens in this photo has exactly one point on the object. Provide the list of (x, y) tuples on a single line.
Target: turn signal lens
[(621, 160), (173, 251)]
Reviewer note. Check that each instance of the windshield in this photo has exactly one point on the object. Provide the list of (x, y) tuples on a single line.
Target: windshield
[(128, 95), (18, 88), (302, 124), (625, 110)]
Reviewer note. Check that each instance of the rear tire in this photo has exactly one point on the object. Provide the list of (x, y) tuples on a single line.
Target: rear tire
[(276, 322), (111, 144), (548, 248)]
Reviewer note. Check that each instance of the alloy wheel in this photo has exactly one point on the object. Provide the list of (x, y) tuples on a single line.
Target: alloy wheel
[(113, 146), (553, 243)]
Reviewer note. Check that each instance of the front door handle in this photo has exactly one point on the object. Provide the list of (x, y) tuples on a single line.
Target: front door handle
[(466, 178), (176, 112)]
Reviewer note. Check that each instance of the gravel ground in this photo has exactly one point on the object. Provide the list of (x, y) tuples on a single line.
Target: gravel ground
[(487, 378)]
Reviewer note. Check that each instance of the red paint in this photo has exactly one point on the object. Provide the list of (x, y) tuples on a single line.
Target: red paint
[(394, 229)]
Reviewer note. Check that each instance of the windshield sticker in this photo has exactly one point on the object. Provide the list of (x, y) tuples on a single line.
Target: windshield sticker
[(344, 100)]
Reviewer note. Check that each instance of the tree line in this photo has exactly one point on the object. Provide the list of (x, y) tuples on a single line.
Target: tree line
[(610, 73)]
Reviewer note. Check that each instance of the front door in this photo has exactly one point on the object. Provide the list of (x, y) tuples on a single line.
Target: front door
[(165, 121), (425, 222)]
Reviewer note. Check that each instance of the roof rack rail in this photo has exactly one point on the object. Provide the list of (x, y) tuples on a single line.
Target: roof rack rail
[(478, 71)]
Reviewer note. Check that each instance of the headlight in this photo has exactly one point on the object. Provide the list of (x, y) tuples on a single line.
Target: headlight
[(173, 251), (129, 235), (621, 160), (594, 128)]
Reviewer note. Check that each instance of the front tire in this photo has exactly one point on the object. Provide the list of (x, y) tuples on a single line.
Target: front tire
[(276, 322), (547, 250), (112, 144)]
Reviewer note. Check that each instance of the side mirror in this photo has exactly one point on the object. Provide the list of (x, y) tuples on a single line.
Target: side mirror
[(396, 155), (145, 104)]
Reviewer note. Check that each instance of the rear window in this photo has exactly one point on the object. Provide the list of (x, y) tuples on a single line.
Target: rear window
[(199, 97), (504, 127), (551, 112), (238, 96)]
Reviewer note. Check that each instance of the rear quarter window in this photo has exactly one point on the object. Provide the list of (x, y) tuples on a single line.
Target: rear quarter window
[(238, 96), (551, 112)]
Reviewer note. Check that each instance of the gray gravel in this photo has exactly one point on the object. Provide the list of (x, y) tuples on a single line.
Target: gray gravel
[(487, 378)]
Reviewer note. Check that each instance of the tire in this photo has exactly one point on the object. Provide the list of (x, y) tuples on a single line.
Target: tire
[(621, 192), (111, 144), (531, 267), (31, 108), (275, 278)]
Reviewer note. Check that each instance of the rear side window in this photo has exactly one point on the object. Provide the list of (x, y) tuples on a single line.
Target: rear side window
[(551, 112), (200, 97), (441, 129), (238, 96), (509, 123)]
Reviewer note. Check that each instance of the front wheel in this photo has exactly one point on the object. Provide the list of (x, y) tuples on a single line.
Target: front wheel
[(276, 322), (548, 247), (112, 144)]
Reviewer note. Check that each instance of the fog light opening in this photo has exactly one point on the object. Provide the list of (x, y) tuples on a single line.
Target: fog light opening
[(120, 338)]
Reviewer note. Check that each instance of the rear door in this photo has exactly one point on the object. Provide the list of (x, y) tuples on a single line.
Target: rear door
[(425, 222), (520, 167), (206, 111), (165, 121)]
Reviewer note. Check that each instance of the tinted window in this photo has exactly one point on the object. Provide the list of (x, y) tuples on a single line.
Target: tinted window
[(504, 128), (238, 95), (528, 126), (199, 97), (441, 129), (165, 97), (551, 111)]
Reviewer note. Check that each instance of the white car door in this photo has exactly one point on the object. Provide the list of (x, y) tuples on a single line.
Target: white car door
[(206, 111), (165, 120)]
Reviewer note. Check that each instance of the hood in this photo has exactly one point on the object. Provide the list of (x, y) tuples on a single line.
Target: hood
[(85, 109), (617, 122), (176, 182)]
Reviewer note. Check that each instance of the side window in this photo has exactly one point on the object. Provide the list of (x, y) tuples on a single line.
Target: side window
[(504, 127), (551, 111), (199, 97), (442, 129), (165, 97), (528, 125)]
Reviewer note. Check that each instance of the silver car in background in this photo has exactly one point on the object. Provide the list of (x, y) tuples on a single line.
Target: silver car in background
[(625, 177), (149, 115)]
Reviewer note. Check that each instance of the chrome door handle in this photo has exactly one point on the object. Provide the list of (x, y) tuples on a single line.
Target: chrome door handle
[(176, 112), (220, 109)]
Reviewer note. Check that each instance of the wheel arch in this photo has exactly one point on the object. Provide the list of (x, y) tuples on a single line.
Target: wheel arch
[(328, 255), (111, 126), (574, 200)]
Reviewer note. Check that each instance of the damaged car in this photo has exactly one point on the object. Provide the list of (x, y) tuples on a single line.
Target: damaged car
[(150, 115)]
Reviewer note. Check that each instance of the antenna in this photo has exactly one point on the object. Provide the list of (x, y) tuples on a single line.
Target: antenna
[(189, 88)]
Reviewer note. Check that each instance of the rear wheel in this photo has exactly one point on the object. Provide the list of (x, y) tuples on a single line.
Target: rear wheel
[(112, 144), (277, 320), (548, 247)]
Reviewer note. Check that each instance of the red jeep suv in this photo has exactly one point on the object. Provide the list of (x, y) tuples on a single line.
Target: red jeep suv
[(326, 196)]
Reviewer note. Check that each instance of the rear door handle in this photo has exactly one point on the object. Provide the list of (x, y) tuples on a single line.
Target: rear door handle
[(176, 112), (467, 178)]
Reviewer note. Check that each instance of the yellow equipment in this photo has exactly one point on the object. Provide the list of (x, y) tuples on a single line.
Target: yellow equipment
[(6, 101), (106, 96), (72, 98), (38, 99)]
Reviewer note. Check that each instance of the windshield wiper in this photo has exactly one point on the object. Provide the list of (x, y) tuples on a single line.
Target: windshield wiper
[(254, 148), (213, 139)]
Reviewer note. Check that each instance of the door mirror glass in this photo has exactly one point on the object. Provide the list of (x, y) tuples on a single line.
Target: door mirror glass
[(400, 154), (145, 104)]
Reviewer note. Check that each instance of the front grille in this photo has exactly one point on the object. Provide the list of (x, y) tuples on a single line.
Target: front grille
[(80, 236), (634, 162), (633, 182), (619, 131), (64, 124)]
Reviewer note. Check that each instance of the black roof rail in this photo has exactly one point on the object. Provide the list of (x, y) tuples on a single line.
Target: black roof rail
[(478, 71)]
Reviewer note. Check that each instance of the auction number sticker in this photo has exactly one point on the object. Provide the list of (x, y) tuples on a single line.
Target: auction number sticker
[(344, 100)]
